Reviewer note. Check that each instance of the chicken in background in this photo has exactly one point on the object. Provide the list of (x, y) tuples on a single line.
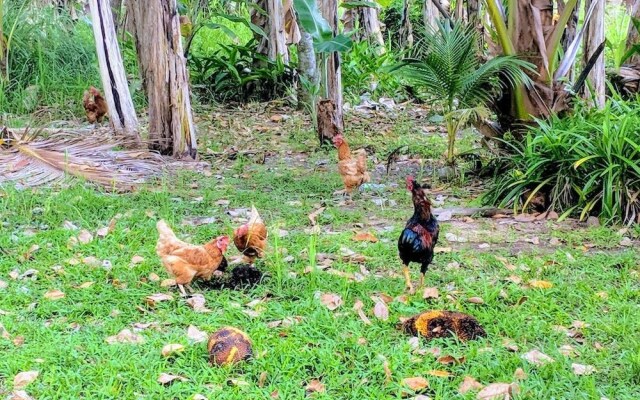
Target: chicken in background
[(420, 235), (187, 261), (95, 105), (353, 169), (251, 238)]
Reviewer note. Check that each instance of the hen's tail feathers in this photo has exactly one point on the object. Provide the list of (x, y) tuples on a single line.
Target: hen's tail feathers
[(164, 230)]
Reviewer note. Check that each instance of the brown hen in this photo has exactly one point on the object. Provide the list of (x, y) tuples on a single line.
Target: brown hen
[(352, 168), (95, 105), (187, 261), (251, 238)]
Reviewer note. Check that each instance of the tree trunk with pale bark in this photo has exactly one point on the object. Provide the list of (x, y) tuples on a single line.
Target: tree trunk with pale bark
[(632, 38), (164, 76), (332, 77), (430, 15), (122, 114), (307, 68), (593, 38)]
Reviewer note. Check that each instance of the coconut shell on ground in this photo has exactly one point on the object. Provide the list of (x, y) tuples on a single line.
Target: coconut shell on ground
[(229, 345), (437, 324)]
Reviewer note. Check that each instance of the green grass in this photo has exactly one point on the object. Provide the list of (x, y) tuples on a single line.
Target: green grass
[(65, 339)]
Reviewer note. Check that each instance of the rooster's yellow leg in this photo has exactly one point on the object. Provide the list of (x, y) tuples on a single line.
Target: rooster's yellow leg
[(407, 278), (421, 281)]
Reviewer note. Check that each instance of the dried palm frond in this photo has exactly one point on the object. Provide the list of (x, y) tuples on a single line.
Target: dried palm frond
[(29, 159)]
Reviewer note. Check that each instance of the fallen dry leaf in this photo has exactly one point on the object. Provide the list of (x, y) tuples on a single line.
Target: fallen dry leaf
[(315, 386), (85, 236), (534, 283), (537, 357), (331, 300), (358, 305), (168, 282), (54, 295), (567, 350), (498, 391), (475, 300), (314, 215), (386, 368), (365, 237), (153, 277), (285, 323), (196, 335), (85, 285), (430, 293), (519, 375), (381, 311), (449, 359), (165, 379), (416, 383), (171, 349), (19, 395), (137, 260), (22, 379), (197, 302), (262, 379), (440, 373), (125, 336), (153, 299), (468, 384), (581, 369)]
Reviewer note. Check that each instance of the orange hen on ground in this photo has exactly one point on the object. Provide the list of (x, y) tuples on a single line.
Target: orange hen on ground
[(187, 261), (95, 105), (251, 238), (353, 169)]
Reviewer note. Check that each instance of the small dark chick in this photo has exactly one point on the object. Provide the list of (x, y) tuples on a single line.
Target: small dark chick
[(420, 235)]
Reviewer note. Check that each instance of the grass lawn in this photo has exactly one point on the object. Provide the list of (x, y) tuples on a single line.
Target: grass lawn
[(590, 316)]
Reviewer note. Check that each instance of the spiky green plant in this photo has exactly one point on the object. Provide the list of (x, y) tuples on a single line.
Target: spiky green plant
[(447, 66)]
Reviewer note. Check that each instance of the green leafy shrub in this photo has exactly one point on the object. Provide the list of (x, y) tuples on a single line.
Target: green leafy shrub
[(364, 70), (586, 164), (239, 73), (50, 61)]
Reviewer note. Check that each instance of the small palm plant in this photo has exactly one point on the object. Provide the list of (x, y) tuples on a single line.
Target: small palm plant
[(446, 64)]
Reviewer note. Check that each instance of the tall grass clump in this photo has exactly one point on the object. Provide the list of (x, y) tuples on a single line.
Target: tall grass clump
[(49, 62), (586, 164)]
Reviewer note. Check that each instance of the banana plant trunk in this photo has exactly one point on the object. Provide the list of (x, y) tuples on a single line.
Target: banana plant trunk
[(164, 77), (331, 70), (594, 91), (122, 114), (307, 68), (632, 38)]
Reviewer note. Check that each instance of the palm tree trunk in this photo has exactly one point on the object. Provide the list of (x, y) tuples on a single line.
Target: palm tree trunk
[(122, 114), (307, 68), (164, 76)]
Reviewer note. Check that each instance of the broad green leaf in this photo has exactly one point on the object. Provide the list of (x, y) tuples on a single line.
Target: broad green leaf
[(358, 3), (223, 28), (312, 20), (340, 43)]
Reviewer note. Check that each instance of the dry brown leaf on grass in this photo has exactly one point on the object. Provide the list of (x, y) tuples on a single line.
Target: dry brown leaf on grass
[(331, 300), (365, 237), (314, 215), (519, 375), (358, 307), (54, 295), (534, 283), (430, 293), (29, 160), (125, 336), (498, 391), (19, 395), (196, 335), (475, 300), (85, 237), (262, 379), (440, 373), (153, 299), (22, 379), (537, 357), (315, 386), (166, 379), (450, 360), (85, 285), (468, 384), (381, 311), (171, 349), (581, 369), (137, 260), (416, 383), (197, 302)]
